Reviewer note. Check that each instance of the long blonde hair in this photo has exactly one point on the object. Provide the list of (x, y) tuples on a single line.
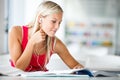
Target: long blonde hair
[(44, 9)]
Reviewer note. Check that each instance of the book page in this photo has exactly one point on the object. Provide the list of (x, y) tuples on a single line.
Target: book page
[(53, 73)]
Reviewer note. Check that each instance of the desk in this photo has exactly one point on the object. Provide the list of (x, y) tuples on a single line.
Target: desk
[(58, 78)]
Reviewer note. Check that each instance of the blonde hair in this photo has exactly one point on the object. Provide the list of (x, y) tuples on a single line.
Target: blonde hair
[(44, 9)]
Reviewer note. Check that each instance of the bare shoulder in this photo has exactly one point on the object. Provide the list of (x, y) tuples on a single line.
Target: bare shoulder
[(59, 41), (59, 45), (15, 31)]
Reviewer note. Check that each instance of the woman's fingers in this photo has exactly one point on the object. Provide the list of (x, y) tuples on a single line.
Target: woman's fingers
[(78, 66)]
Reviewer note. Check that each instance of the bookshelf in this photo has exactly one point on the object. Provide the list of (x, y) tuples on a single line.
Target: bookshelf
[(92, 23)]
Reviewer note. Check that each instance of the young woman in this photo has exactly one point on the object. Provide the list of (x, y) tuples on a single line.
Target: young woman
[(31, 46)]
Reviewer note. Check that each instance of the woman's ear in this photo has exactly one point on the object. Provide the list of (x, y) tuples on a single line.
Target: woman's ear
[(39, 19)]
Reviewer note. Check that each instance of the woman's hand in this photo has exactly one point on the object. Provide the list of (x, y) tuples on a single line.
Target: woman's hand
[(78, 66), (38, 37)]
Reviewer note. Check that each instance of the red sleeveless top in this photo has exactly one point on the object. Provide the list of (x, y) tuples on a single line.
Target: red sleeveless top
[(37, 62)]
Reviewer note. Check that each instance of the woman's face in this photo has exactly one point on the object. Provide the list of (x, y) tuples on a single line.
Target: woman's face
[(50, 24)]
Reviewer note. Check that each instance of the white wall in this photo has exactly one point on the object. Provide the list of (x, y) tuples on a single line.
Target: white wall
[(16, 12), (2, 27), (30, 7)]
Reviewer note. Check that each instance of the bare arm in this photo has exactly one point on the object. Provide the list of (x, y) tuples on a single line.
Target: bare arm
[(63, 52), (20, 59)]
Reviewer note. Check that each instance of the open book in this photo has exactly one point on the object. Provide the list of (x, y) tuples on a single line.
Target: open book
[(10, 71), (62, 73)]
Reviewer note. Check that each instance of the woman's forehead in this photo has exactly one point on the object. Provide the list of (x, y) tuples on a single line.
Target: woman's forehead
[(55, 16)]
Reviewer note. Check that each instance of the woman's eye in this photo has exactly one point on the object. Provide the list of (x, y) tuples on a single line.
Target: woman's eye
[(59, 23), (54, 21)]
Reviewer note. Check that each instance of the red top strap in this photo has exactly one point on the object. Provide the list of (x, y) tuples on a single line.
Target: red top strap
[(24, 37)]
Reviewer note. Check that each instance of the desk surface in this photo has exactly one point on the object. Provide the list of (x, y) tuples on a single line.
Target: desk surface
[(58, 78)]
